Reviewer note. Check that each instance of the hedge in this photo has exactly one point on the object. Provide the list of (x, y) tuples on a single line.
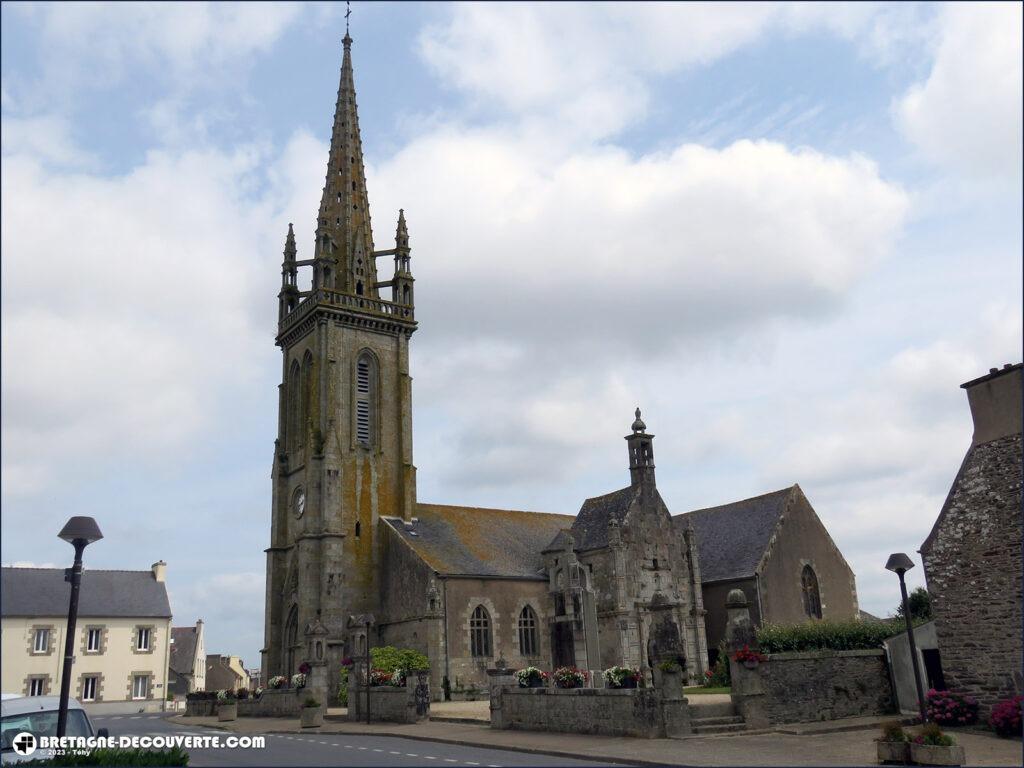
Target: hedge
[(140, 757), (849, 635), (389, 658)]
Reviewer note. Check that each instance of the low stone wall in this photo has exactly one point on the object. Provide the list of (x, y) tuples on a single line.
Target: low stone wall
[(282, 702), (812, 686), (639, 712), (388, 703), (200, 708), (285, 702)]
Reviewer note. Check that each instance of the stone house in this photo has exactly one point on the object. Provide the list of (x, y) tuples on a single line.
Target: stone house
[(776, 549), (187, 669), (618, 583), (122, 646), (225, 673), (972, 557)]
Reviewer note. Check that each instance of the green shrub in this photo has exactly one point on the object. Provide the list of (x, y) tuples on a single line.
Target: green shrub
[(848, 635), (389, 658), (892, 731), (139, 757), (310, 703), (343, 689), (718, 675)]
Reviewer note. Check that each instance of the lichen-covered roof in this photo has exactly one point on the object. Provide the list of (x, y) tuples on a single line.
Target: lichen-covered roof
[(474, 541), (591, 525), (732, 538), (562, 538)]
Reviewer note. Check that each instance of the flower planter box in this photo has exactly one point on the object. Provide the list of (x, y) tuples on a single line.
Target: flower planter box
[(926, 754), (628, 683), (312, 717), (227, 712), (894, 752), (533, 683)]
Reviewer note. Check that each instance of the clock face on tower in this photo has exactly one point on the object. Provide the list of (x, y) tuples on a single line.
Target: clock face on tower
[(300, 503)]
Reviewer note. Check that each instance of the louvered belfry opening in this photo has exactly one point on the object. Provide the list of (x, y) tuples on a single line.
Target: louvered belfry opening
[(364, 400)]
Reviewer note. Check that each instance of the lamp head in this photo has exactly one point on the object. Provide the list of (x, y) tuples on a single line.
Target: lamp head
[(80, 529), (899, 563)]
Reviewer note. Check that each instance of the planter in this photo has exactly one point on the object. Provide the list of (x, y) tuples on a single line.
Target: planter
[(897, 752), (630, 683), (533, 683), (926, 754), (227, 712), (312, 717)]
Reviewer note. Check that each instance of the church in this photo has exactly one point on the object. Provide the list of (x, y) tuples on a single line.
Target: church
[(622, 582)]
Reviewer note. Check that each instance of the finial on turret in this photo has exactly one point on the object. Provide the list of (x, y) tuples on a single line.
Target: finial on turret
[(347, 40), (638, 425), (289, 244)]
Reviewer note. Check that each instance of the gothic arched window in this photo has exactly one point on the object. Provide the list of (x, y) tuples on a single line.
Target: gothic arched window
[(308, 388), (480, 632), (528, 644), (365, 400), (293, 395), (812, 598), (291, 639)]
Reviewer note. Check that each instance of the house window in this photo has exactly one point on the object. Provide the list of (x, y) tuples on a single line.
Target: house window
[(41, 642), (142, 639), (528, 645), (37, 686), (95, 638), (140, 686), (812, 597), (89, 688), (480, 632)]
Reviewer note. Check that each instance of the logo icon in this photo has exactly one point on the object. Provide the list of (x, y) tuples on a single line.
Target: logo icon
[(24, 743)]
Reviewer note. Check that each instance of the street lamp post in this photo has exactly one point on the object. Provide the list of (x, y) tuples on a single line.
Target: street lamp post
[(899, 564), (79, 532)]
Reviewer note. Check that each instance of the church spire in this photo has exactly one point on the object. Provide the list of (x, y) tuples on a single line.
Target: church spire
[(344, 242), (402, 289)]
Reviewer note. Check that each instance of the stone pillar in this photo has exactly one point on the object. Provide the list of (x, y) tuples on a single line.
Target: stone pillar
[(317, 683), (747, 687), (497, 678)]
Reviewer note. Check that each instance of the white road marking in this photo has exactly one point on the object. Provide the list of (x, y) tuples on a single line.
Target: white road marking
[(429, 757), (450, 760), (378, 750), (392, 752), (323, 742), (135, 717), (349, 746), (411, 754), (363, 748)]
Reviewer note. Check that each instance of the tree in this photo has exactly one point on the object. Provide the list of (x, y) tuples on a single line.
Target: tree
[(920, 603)]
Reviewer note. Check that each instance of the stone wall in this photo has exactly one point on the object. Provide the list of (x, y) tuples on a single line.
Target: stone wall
[(387, 703), (285, 702), (640, 712), (972, 562), (813, 685)]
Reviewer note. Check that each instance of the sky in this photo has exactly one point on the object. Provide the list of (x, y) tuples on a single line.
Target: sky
[(787, 232)]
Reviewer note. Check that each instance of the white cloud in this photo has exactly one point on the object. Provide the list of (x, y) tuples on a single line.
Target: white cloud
[(601, 251), (967, 115), (585, 70), (134, 305)]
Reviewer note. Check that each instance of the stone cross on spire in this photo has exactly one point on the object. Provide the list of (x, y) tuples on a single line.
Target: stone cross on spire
[(344, 241)]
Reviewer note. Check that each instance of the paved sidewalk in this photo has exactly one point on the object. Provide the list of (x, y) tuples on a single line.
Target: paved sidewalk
[(767, 749)]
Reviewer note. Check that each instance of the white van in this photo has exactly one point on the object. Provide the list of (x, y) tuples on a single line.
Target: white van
[(38, 715)]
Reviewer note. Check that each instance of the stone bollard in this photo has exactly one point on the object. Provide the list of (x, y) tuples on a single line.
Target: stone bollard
[(747, 687)]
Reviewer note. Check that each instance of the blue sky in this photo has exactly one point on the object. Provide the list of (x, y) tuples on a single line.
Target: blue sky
[(789, 232)]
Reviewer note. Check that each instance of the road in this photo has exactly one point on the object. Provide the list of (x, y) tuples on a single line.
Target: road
[(328, 749)]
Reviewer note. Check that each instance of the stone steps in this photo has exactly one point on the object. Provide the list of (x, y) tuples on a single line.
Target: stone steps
[(720, 725)]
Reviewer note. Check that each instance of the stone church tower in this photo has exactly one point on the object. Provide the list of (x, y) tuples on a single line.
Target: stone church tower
[(343, 454)]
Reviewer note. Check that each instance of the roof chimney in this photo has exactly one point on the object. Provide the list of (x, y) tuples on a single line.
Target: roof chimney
[(995, 401), (159, 570)]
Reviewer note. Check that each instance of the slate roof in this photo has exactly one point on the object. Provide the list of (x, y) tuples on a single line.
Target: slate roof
[(732, 538), (474, 541), (43, 592), (183, 649), (591, 525)]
